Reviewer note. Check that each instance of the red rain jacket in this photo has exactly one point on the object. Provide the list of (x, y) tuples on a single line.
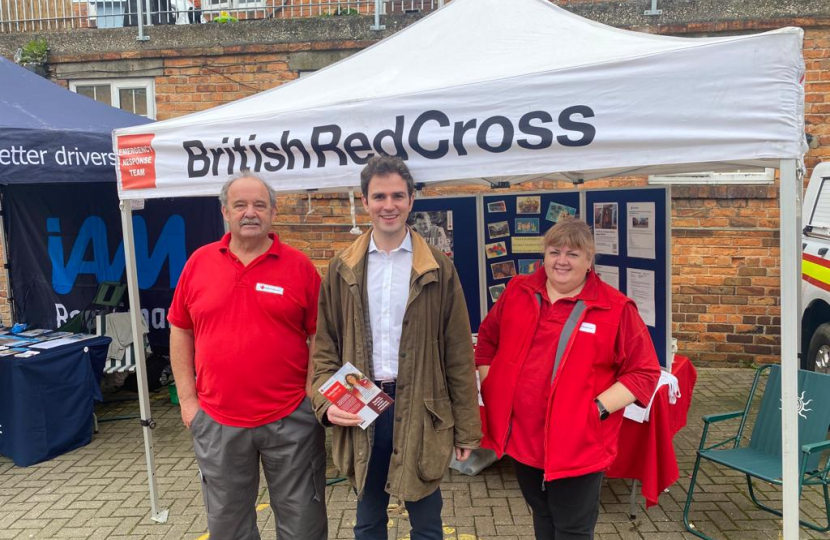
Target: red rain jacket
[(610, 343)]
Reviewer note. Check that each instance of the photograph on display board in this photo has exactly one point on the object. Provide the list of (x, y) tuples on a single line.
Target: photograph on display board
[(495, 291), (605, 216), (497, 207), (528, 205), (558, 211), (435, 227), (528, 266), (606, 234), (495, 250), (526, 226), (503, 270), (500, 229)]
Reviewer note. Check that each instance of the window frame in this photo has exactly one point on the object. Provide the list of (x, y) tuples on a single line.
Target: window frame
[(754, 178), (148, 84)]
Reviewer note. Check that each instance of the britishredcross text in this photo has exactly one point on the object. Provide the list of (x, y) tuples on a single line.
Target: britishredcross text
[(495, 134)]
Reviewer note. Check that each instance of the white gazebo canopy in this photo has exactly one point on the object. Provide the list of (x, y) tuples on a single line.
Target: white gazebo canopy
[(496, 88)]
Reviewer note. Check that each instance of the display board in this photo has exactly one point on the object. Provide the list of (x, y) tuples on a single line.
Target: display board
[(492, 238), (631, 232), (514, 224), (450, 223)]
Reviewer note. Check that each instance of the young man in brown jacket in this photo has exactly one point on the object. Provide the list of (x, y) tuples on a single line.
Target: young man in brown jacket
[(393, 306)]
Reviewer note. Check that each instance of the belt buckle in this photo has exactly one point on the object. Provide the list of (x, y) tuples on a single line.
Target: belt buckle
[(385, 386)]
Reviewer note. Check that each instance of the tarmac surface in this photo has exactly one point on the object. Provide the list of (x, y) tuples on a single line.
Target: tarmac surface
[(100, 491)]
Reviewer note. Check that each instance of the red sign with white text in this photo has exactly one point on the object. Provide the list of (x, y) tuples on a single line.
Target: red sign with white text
[(137, 161)]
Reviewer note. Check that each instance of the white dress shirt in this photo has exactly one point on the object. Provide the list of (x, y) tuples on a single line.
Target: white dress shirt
[(388, 291)]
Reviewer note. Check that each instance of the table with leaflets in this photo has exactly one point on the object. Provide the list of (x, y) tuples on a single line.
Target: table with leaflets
[(47, 398)]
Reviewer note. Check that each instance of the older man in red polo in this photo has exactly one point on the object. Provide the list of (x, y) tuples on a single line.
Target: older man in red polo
[(243, 315)]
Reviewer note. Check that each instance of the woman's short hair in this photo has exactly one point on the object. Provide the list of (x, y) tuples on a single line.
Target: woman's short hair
[(572, 233)]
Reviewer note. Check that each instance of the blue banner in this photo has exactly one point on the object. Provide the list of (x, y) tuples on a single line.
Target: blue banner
[(64, 240)]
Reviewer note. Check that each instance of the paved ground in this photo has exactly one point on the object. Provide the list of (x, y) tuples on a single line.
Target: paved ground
[(99, 491)]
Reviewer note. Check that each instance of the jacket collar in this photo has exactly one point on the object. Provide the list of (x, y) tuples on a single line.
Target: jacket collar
[(406, 245), (353, 257), (593, 294)]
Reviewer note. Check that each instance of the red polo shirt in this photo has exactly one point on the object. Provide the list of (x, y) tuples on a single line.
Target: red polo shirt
[(250, 325)]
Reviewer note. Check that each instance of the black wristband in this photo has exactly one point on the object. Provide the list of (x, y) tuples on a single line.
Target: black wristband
[(603, 412)]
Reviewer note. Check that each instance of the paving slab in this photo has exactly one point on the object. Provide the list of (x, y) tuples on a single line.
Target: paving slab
[(100, 491)]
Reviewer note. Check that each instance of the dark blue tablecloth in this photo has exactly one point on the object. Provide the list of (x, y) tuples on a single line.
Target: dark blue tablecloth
[(46, 401)]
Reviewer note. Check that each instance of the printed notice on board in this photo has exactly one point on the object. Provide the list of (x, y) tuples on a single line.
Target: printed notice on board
[(528, 244), (606, 229), (641, 225), (641, 290), (609, 274)]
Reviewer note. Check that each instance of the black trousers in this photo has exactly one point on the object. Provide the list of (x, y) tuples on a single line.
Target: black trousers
[(564, 509)]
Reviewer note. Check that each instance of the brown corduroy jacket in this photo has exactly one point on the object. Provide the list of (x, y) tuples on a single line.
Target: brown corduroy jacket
[(436, 403)]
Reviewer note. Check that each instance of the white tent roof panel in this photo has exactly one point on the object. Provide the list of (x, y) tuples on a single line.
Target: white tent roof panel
[(631, 102)]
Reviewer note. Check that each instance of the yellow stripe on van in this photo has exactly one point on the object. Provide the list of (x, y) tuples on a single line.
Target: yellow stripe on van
[(815, 271)]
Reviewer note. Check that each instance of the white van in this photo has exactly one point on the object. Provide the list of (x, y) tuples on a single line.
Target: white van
[(815, 277)]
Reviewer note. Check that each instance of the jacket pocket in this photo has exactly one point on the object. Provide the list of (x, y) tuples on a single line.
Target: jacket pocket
[(437, 440), (342, 451)]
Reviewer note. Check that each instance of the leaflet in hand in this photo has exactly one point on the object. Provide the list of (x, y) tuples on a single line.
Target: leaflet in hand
[(353, 392)]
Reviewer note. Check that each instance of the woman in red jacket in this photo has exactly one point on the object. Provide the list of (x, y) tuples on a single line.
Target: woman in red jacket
[(561, 428)]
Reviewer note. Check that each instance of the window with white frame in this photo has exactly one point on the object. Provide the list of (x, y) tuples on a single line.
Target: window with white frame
[(767, 176), (137, 96)]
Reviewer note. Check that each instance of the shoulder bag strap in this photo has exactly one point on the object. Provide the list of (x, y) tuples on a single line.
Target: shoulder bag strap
[(567, 330), (565, 336)]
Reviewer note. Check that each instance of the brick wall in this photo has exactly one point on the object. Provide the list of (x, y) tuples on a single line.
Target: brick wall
[(197, 83), (817, 94), (725, 274)]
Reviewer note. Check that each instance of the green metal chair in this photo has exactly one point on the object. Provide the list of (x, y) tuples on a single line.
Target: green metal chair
[(760, 457)]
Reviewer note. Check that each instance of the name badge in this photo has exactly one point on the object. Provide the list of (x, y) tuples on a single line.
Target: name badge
[(591, 328), (264, 287)]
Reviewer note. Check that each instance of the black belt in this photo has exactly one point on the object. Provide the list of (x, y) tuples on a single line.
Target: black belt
[(387, 387)]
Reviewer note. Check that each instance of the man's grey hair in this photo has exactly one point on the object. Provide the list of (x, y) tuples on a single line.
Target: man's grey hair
[(223, 194)]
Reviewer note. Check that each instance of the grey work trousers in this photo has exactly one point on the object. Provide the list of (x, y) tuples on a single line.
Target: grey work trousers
[(293, 455)]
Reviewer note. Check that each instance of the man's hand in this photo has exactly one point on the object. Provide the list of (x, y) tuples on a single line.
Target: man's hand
[(189, 409), (462, 454), (339, 417)]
